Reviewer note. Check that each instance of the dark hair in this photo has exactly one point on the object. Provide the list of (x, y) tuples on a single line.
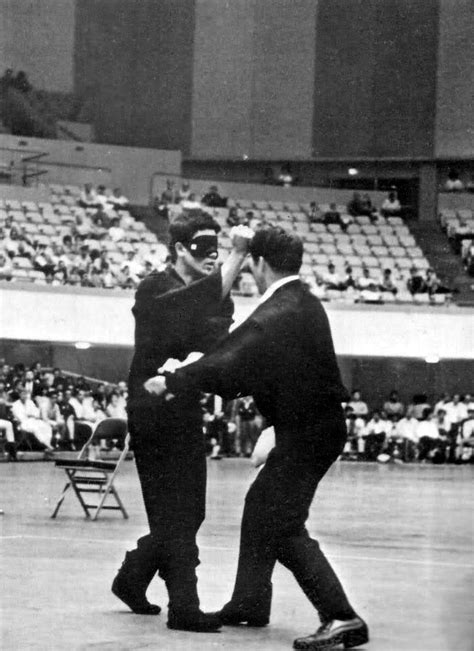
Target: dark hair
[(282, 250), (186, 226)]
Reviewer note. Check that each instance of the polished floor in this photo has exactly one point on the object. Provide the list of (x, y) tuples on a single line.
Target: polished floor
[(400, 538)]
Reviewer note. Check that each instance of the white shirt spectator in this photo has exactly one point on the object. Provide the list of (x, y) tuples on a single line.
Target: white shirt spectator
[(428, 428), (454, 185), (407, 428), (116, 233), (117, 199), (28, 415), (379, 426), (391, 205), (456, 411)]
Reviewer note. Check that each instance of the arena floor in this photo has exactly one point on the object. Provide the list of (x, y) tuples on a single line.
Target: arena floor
[(400, 538)]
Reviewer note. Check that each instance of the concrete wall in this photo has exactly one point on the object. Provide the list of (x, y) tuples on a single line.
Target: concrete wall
[(37, 36), (104, 318), (130, 168)]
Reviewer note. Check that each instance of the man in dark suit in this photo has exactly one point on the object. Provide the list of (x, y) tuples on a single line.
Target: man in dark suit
[(182, 309), (283, 355)]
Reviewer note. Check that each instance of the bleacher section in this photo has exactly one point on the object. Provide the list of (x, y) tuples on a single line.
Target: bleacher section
[(48, 222), (387, 244)]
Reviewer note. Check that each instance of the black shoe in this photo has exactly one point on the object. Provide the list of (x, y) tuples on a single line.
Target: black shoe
[(234, 618), (350, 633), (198, 622), (137, 602)]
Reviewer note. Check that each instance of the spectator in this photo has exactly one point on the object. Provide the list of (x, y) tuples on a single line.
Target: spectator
[(213, 199), (356, 430), (368, 208), (416, 283), (314, 214), (376, 433), (117, 199), (184, 192), (393, 406), (358, 406), (433, 284), (169, 195), (116, 232), (233, 217), (404, 438), (5, 268), (453, 182), (6, 426), (331, 278), (418, 406), (349, 280), (333, 216), (247, 427), (456, 410), (115, 409), (366, 281), (356, 206), (388, 284), (88, 197), (82, 227), (391, 206), (285, 177), (431, 444), (28, 416), (465, 446), (50, 412)]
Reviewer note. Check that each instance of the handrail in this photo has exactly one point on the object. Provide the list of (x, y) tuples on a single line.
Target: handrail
[(35, 157)]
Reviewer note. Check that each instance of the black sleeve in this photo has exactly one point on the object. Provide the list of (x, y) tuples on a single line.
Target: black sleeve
[(233, 369)]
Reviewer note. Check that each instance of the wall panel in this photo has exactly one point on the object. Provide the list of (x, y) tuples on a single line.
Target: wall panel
[(455, 91), (38, 37), (283, 78), (222, 78), (135, 59)]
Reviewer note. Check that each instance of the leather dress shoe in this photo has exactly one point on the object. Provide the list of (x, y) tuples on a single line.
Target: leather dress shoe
[(234, 618), (351, 633), (198, 622), (136, 601)]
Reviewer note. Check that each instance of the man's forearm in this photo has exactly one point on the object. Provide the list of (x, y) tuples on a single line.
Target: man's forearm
[(230, 270)]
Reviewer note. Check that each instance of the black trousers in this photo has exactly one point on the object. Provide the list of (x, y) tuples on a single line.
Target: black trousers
[(171, 464), (273, 528)]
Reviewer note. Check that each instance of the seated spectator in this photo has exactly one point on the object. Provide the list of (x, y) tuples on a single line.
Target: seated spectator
[(31, 384), (102, 197), (285, 177), (233, 217), (416, 283), (88, 197), (43, 262), (356, 403), (115, 408), (349, 281), (453, 182), (357, 206), (418, 406), (314, 214), (376, 433), (356, 430), (82, 227), (391, 206), (331, 278), (50, 412), (29, 419), (431, 444), (433, 284), (87, 414), (213, 199), (366, 281), (116, 232), (388, 284), (6, 426), (184, 192), (68, 415), (11, 243), (368, 208), (5, 268), (456, 409), (333, 216), (169, 195), (135, 267), (117, 199), (393, 406), (465, 441), (403, 439)]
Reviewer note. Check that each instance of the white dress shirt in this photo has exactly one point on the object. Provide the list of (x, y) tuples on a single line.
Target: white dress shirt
[(276, 285)]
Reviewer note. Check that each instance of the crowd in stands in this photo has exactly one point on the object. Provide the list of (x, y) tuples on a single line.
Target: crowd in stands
[(459, 228), (46, 409), (83, 238), (52, 410)]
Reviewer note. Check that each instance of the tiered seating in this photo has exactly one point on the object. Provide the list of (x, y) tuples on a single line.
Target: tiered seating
[(47, 223), (387, 244)]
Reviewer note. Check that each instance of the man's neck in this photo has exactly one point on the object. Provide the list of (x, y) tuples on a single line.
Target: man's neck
[(185, 276)]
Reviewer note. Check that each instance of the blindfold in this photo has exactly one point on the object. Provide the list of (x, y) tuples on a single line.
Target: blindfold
[(203, 246)]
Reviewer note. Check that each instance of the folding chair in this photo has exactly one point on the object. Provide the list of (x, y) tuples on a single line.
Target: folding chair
[(87, 475)]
